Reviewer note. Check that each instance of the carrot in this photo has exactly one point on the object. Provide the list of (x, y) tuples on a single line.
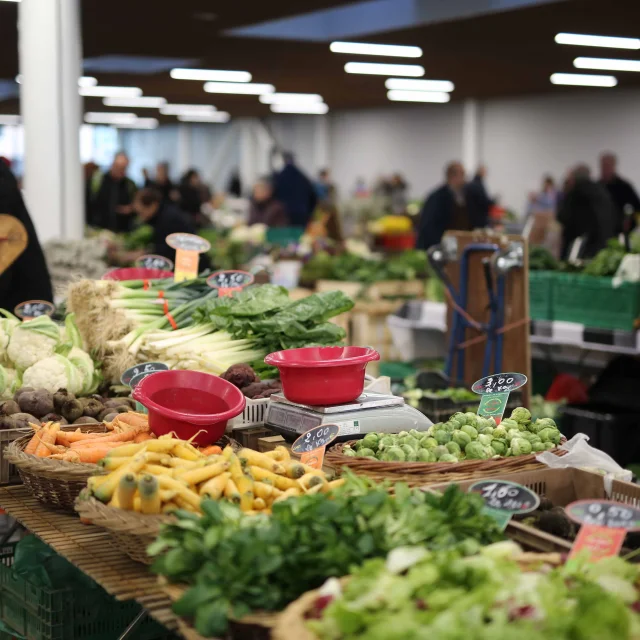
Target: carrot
[(90, 454), (141, 437), (212, 450), (66, 438), (131, 419), (33, 444), (47, 437)]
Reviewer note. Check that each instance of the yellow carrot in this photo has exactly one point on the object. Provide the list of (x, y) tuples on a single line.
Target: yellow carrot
[(281, 482), (181, 489), (310, 480), (213, 488), (183, 450), (279, 454), (196, 476), (227, 452), (294, 470), (149, 495), (259, 504), (107, 488), (231, 491), (125, 491), (255, 458), (289, 493)]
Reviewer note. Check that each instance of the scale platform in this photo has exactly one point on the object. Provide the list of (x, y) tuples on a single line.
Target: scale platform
[(370, 412)]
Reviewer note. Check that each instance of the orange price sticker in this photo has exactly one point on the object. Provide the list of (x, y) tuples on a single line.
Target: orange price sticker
[(598, 542), (188, 247), (313, 458)]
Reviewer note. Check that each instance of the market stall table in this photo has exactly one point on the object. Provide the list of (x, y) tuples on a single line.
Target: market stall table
[(89, 549)]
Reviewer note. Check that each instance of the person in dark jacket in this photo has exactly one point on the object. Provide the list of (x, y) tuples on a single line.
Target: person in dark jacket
[(162, 182), (265, 209), (476, 192), (587, 211), (623, 194), (27, 278), (296, 192), (450, 207), (113, 194)]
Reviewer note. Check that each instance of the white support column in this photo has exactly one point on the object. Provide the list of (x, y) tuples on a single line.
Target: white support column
[(470, 136), (50, 64), (184, 159), (248, 167)]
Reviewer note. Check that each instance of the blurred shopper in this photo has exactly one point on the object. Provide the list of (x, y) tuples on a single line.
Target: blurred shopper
[(27, 278), (620, 190), (90, 169), (476, 193), (191, 197), (296, 192), (587, 211), (398, 194), (545, 200), (450, 207), (162, 182), (112, 196), (265, 209), (234, 186), (325, 189)]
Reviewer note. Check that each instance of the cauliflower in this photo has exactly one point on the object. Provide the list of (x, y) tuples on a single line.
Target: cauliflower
[(53, 373), (32, 341), (9, 382), (83, 362), (6, 329)]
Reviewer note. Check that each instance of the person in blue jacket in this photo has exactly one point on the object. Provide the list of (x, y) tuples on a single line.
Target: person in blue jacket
[(296, 192), (455, 206)]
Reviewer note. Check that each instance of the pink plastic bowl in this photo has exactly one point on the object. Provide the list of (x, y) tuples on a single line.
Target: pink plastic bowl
[(187, 402), (322, 375), (136, 273)]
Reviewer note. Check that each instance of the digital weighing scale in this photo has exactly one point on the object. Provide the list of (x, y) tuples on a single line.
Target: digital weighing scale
[(370, 412)]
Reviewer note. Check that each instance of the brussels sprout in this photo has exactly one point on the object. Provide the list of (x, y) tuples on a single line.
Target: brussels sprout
[(414, 433), (348, 451), (410, 453), (509, 423), (531, 437), (499, 432), (414, 443), (461, 438), (426, 455), (542, 423), (433, 428), (439, 451), (450, 426), (364, 452), (442, 437), (540, 446), (402, 434), (521, 415), (471, 418), (550, 435), (459, 418), (520, 447), (454, 448), (370, 441), (485, 440), (499, 447), (393, 454), (470, 431), (385, 442), (513, 433), (476, 451), (486, 431), (447, 457), (428, 443)]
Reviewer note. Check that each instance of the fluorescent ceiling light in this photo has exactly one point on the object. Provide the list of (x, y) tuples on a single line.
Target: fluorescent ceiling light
[(607, 64), (138, 123), (230, 87), (210, 74), (95, 117), (216, 116), (84, 81), (419, 85), (398, 51), (9, 120), (373, 68), (309, 108), (186, 109), (132, 103), (584, 80), (111, 92), (598, 41), (398, 95), (288, 98)]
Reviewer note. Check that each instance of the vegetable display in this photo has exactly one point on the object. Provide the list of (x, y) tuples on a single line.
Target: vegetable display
[(454, 394), (236, 563), (500, 593), (163, 475), (465, 436)]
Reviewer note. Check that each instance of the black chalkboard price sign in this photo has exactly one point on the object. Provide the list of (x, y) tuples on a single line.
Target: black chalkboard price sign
[(139, 369), (33, 309), (152, 261), (506, 496), (316, 438), (233, 280), (605, 513), (499, 383)]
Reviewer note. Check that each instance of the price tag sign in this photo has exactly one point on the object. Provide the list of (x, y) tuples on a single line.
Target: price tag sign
[(311, 445), (188, 247), (495, 392), (229, 281), (34, 308), (141, 369), (153, 261), (605, 524), (503, 499)]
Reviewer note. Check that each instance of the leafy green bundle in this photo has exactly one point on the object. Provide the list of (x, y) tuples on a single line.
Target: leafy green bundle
[(238, 563)]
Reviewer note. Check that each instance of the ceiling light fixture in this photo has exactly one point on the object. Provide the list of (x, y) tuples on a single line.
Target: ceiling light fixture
[(361, 48), (245, 89), (610, 42), (186, 109), (9, 120), (132, 103), (310, 108), (217, 116), (139, 123), (583, 80), (398, 95), (419, 85), (218, 75), (106, 117), (376, 69), (288, 98), (111, 92), (607, 64), (10, 0), (84, 81)]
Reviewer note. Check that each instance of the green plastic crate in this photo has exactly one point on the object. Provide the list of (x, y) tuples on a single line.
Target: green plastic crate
[(540, 295), (594, 302), (284, 236)]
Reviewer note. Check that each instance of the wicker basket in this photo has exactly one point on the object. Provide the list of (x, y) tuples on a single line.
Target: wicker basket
[(131, 532), (419, 473), (55, 483)]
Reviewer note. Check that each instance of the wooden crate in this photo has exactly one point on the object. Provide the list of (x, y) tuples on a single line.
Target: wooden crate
[(250, 436)]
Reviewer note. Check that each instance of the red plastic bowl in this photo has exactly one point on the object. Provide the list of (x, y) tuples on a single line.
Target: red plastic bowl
[(136, 273), (188, 402), (322, 375)]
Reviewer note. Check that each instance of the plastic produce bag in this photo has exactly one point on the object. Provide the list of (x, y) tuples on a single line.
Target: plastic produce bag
[(582, 455)]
